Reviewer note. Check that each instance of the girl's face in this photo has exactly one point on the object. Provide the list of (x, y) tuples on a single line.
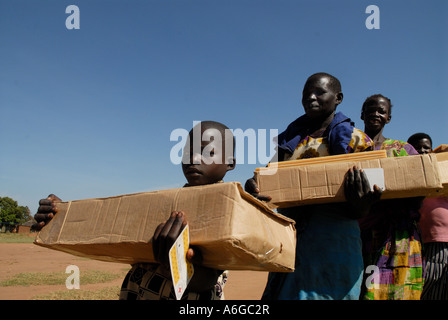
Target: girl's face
[(376, 114), (319, 99), (423, 146)]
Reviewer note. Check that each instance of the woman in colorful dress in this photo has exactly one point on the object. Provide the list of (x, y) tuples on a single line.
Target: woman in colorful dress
[(391, 239)]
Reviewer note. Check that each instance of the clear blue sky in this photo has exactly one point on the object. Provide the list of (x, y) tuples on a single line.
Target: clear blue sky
[(89, 112)]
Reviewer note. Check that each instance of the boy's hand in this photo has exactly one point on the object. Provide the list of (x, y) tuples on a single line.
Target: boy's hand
[(46, 211), (252, 188), (165, 235), (358, 194)]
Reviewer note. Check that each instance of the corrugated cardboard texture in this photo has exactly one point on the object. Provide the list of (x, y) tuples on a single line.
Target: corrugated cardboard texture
[(357, 156), (442, 159), (233, 229), (323, 183)]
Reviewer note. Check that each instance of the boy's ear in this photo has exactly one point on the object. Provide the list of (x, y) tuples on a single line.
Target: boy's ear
[(231, 163), (339, 97)]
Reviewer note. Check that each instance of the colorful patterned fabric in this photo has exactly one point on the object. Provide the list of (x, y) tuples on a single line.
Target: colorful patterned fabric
[(399, 268), (145, 281), (339, 135), (392, 248), (397, 148), (328, 253), (311, 147)]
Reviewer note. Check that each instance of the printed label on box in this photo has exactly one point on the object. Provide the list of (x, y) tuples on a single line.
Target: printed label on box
[(375, 176), (181, 269)]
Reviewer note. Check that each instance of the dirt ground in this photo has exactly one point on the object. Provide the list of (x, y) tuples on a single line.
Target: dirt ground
[(27, 257)]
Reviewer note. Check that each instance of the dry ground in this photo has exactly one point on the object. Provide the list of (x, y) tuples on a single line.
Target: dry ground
[(27, 257)]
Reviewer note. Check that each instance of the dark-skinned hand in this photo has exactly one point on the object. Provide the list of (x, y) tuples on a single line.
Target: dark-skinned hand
[(252, 187), (164, 237), (358, 194)]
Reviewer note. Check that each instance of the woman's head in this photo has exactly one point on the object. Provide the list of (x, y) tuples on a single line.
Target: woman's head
[(321, 95), (376, 112)]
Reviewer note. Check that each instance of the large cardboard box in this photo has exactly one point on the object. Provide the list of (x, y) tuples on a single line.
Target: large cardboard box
[(233, 229), (410, 176)]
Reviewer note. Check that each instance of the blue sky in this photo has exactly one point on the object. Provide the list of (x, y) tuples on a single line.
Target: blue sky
[(88, 112)]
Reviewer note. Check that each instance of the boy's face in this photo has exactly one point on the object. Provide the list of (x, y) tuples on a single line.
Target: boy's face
[(207, 164), (423, 146), (376, 114), (319, 99)]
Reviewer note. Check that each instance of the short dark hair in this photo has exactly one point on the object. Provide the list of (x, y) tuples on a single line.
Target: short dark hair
[(374, 97), (222, 128), (419, 136), (334, 82)]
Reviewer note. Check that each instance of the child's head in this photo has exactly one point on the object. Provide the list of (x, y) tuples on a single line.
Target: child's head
[(376, 112), (422, 142), (321, 95), (208, 153)]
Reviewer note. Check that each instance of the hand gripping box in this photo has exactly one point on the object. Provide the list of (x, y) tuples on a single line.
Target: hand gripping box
[(232, 228), (322, 182)]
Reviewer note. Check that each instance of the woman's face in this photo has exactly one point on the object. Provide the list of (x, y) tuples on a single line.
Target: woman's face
[(376, 114), (318, 98)]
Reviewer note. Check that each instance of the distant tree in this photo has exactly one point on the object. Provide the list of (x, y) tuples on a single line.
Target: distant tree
[(12, 213)]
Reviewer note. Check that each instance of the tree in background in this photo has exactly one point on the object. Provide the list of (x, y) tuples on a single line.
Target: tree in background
[(11, 213)]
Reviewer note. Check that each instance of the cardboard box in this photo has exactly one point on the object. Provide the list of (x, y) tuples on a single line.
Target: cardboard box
[(323, 183), (233, 229), (442, 160), (441, 148)]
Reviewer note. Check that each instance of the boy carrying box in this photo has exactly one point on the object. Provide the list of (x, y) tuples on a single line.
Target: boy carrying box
[(204, 162)]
